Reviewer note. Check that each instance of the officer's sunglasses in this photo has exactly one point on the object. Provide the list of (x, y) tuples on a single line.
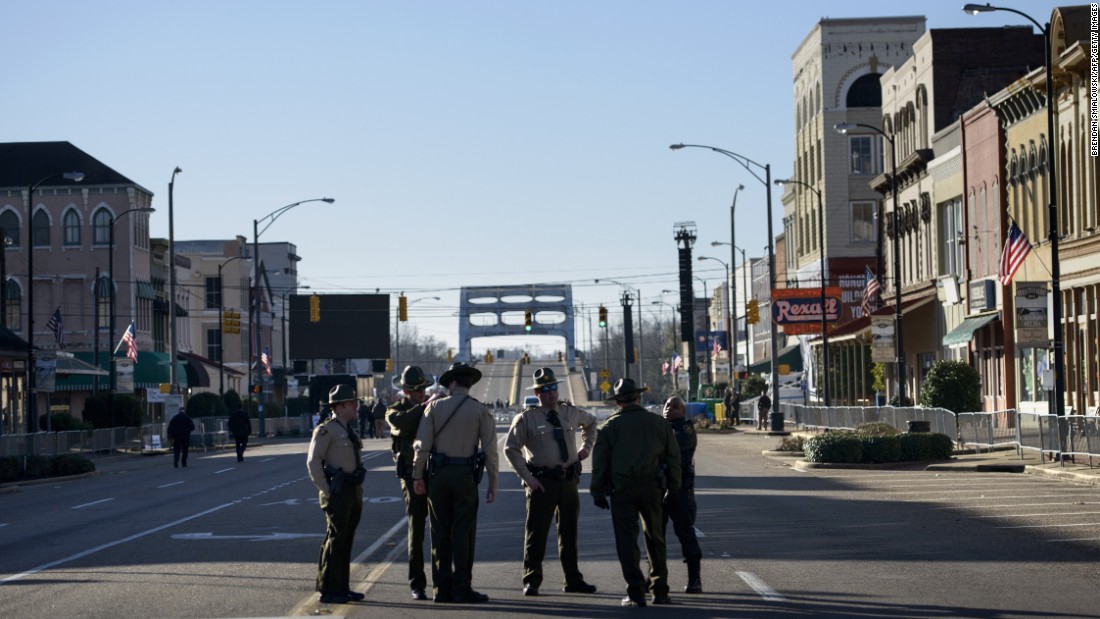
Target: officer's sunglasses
[(548, 388)]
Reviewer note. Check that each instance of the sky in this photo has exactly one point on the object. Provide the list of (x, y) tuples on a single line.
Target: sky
[(465, 142)]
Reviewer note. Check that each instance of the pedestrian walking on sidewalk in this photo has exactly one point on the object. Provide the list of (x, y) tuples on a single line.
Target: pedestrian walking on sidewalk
[(636, 459), (680, 504), (542, 447), (763, 407)]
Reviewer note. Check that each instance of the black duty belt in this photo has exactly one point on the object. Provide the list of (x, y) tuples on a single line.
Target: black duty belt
[(565, 473)]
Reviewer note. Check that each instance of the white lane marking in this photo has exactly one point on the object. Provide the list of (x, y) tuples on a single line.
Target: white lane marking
[(130, 538), (92, 503), (1079, 539), (272, 537), (698, 533), (1050, 526), (397, 526), (224, 470), (759, 586), (267, 460), (1037, 515), (1056, 504), (3, 524), (171, 484)]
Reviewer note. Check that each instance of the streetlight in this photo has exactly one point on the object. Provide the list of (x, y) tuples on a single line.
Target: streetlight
[(899, 349), (745, 267), (31, 395), (221, 326), (821, 248), (729, 314), (172, 345), (286, 344), (1058, 342), (254, 302), (114, 294), (638, 298), (706, 322), (745, 162), (397, 333)]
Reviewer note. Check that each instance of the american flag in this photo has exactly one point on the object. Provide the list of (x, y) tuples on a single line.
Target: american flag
[(664, 368), (130, 339), (58, 327), (869, 290), (676, 363), (717, 349), (265, 359), (1017, 247)]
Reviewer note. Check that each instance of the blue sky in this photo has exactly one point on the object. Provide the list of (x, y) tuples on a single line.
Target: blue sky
[(465, 142)]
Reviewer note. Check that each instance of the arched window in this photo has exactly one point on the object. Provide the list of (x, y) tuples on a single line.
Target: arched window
[(103, 301), (13, 305), (865, 92), (9, 227), (101, 227), (41, 229), (71, 226)]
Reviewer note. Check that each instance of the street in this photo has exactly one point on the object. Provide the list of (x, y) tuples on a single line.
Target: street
[(222, 539)]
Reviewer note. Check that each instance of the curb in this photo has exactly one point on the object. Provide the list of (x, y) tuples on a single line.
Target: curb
[(1083, 478), (16, 485)]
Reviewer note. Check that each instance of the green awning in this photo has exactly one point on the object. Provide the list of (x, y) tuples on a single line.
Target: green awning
[(145, 290), (150, 371), (963, 333), (791, 355)]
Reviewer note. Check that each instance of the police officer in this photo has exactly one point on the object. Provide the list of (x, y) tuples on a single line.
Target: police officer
[(680, 505), (452, 433), (334, 467), (635, 460), (542, 449), (404, 418)]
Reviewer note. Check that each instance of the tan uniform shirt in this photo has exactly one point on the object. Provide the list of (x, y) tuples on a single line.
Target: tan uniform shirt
[(531, 438), (471, 426), (330, 445)]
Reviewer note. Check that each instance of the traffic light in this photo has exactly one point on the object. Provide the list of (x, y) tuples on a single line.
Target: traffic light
[(315, 308), (752, 312), (231, 321), (527, 321), (603, 316), (403, 308), (450, 355)]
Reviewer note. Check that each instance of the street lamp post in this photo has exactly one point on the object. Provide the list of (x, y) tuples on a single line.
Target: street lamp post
[(748, 164), (638, 299), (173, 346), (114, 296), (729, 314), (286, 344), (1058, 343), (221, 326), (397, 335), (824, 312), (899, 348), (254, 301)]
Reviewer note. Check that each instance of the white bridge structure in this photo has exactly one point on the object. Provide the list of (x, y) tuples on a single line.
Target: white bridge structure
[(493, 311)]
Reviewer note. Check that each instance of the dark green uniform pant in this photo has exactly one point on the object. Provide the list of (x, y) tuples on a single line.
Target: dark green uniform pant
[(342, 513), (416, 508), (627, 506), (680, 508), (452, 511), (559, 499)]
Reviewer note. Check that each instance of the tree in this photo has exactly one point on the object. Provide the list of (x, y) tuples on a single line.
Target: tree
[(206, 405), (232, 400), (953, 385), (97, 410)]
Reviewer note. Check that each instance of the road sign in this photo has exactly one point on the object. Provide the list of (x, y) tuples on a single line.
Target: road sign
[(604, 374), (605, 386)]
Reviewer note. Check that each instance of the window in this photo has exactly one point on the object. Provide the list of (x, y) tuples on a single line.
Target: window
[(863, 222), (71, 225), (41, 229), (213, 294), (103, 302), (953, 238), (9, 227), (101, 227), (865, 92), (13, 305), (864, 154), (214, 344)]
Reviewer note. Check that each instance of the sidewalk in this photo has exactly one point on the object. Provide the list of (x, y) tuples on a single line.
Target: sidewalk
[(1002, 460)]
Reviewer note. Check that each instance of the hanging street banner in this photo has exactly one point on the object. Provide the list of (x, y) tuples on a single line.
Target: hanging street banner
[(798, 310), (882, 339), (1031, 315)]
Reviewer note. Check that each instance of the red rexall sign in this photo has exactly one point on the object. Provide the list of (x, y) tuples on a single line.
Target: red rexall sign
[(798, 310)]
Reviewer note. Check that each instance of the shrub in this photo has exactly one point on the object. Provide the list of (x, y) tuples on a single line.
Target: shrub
[(9, 468), (881, 449), (70, 464), (876, 429), (791, 443), (62, 422), (97, 410), (232, 400), (297, 406), (836, 447), (925, 446), (953, 385), (206, 405), (753, 386), (37, 466)]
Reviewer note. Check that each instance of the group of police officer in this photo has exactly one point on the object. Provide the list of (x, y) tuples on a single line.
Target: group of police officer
[(642, 468)]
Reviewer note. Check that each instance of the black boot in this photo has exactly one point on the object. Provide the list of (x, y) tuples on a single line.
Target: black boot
[(695, 581)]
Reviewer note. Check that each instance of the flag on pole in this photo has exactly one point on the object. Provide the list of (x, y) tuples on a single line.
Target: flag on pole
[(869, 291), (717, 348), (1017, 247), (675, 363), (130, 339), (664, 368), (58, 327), (265, 359)]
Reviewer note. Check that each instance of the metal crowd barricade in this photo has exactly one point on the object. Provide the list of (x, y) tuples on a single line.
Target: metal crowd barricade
[(989, 430), (1079, 436)]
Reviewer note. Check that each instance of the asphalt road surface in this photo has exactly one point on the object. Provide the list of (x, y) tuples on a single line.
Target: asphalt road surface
[(222, 539)]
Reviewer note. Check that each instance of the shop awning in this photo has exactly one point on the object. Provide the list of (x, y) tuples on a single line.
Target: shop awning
[(71, 366), (150, 371), (963, 333), (791, 355)]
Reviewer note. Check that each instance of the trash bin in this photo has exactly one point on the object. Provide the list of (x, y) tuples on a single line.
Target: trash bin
[(917, 425)]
